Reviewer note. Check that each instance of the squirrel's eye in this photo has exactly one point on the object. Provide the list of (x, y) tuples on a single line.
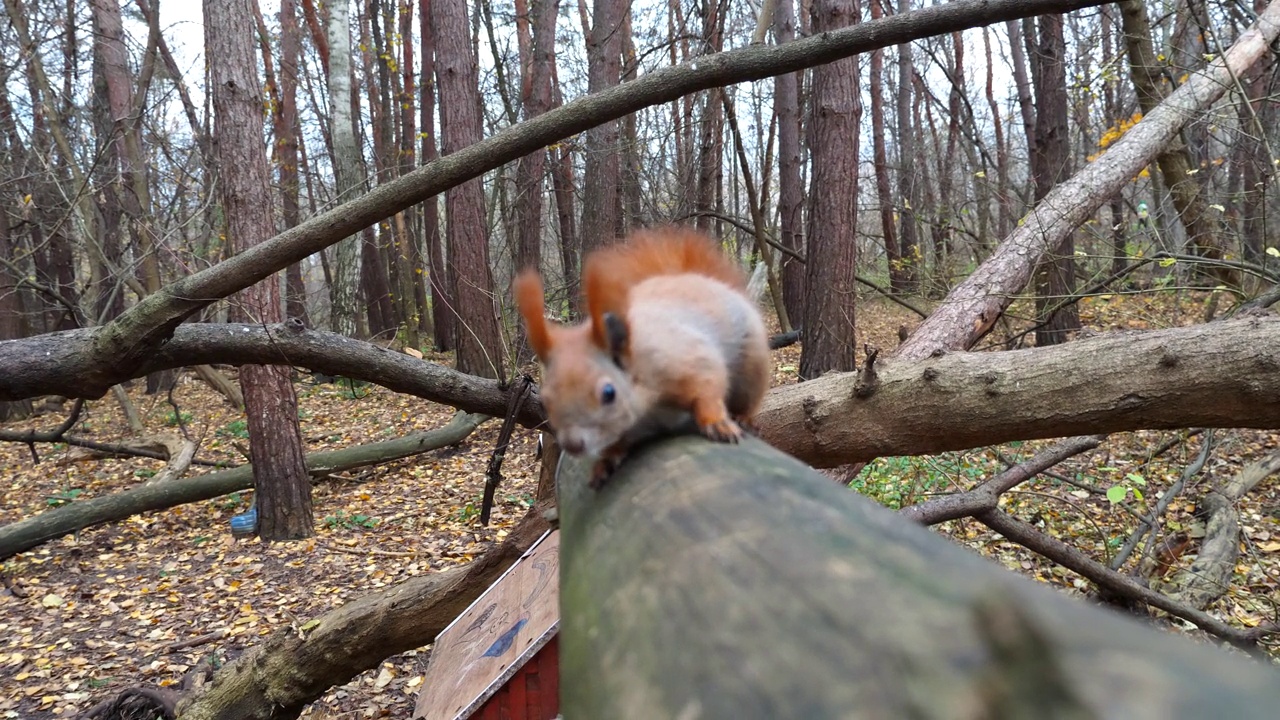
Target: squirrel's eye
[(608, 394)]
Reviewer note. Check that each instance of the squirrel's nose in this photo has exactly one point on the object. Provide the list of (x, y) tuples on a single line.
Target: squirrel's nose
[(573, 443)]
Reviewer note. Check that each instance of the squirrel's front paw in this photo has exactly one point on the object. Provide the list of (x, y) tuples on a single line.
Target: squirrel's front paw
[(723, 430), (601, 471)]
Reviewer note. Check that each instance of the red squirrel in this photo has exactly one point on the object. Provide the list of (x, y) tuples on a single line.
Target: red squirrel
[(670, 332)]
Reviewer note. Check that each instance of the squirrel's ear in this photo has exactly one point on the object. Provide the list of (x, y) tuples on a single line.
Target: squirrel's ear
[(528, 292), (615, 334)]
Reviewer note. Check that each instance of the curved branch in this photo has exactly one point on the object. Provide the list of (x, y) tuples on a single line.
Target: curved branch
[(58, 363), (1073, 559), (987, 495), (276, 680), (130, 338)]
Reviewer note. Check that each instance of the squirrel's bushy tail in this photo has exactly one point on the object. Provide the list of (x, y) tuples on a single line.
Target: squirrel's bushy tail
[(609, 274)]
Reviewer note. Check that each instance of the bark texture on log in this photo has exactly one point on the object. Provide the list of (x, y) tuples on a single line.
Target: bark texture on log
[(1217, 375), (278, 678), (785, 595), (1209, 576)]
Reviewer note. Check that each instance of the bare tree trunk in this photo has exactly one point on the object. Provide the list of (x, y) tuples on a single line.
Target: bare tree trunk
[(706, 191), (131, 186), (535, 92), (479, 340), (286, 145), (1004, 213), (1111, 111), (880, 159), (1050, 165), (444, 317), (786, 105), (909, 201), (629, 211), (1175, 163), (283, 495), (346, 168), (376, 269), (562, 184), (1257, 118), (829, 283), (755, 201), (602, 178), (411, 230), (109, 45), (13, 324)]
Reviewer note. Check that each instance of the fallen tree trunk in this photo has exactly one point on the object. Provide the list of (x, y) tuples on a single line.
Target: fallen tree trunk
[(1216, 375), (718, 581), (973, 306), (1209, 576), (26, 534), (292, 668)]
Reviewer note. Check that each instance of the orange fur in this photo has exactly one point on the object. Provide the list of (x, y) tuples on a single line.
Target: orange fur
[(609, 274), (528, 292), (694, 344)]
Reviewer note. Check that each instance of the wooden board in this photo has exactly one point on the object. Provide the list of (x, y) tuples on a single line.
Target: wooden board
[(487, 644)]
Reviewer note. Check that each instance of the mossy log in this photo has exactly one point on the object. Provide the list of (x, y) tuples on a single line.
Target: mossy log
[(717, 581), (34, 531)]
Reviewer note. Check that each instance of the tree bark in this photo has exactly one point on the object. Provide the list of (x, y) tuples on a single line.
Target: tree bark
[(109, 44), (1183, 380), (1175, 160), (280, 475), (786, 105), (909, 199), (880, 161), (602, 175), (1257, 119), (1161, 379), (287, 130), (851, 612), (830, 296), (231, 344), (443, 319), (346, 168), (467, 231), (536, 100), (1050, 159)]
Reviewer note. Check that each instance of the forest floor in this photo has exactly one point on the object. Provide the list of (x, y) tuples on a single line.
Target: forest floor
[(85, 616)]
